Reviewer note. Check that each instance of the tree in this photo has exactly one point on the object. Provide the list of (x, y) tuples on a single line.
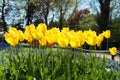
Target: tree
[(88, 22), (114, 9), (29, 11), (3, 16), (40, 11), (46, 10), (108, 17), (104, 15), (115, 31), (45, 6), (15, 13), (76, 17), (62, 8)]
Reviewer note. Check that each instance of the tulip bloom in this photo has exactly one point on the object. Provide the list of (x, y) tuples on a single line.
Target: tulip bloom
[(62, 40), (107, 34), (113, 51), (21, 35), (43, 41), (12, 36), (75, 40), (81, 37), (50, 36), (64, 30), (30, 28), (91, 40), (42, 27), (9, 39), (28, 37), (74, 44), (100, 38), (90, 37), (37, 34)]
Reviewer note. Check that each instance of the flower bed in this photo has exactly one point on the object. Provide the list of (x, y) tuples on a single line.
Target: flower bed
[(48, 63), (53, 54)]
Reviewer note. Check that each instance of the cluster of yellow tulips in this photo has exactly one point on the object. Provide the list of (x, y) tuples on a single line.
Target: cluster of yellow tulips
[(63, 38)]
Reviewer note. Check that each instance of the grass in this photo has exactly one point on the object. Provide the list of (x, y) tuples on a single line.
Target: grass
[(48, 63)]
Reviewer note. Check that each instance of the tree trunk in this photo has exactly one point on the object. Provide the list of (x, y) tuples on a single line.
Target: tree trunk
[(3, 17), (47, 11), (30, 11), (103, 16), (61, 17)]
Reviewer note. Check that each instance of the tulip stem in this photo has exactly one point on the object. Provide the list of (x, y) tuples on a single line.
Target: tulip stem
[(107, 44), (112, 57)]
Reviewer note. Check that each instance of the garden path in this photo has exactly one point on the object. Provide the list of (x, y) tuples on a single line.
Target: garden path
[(104, 53)]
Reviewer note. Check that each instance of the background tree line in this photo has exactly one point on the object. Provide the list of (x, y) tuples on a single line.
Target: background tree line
[(60, 13)]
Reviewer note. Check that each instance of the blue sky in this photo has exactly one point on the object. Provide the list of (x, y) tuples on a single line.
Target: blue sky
[(87, 4)]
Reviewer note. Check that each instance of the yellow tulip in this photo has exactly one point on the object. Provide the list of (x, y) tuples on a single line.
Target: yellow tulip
[(89, 33), (113, 51), (64, 30), (74, 41), (81, 37), (12, 36), (100, 38), (30, 28), (37, 34), (28, 37), (91, 40), (12, 30), (98, 43), (107, 34), (43, 41), (21, 35), (11, 39), (42, 27), (54, 34), (74, 44), (90, 37), (86, 34), (63, 43), (49, 37), (55, 30), (62, 40)]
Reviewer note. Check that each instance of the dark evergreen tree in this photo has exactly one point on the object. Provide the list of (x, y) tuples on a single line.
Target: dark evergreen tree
[(103, 16)]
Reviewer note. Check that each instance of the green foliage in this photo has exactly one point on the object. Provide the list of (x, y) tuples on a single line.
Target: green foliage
[(115, 30), (88, 22), (57, 23), (66, 4), (47, 63), (53, 24), (76, 17)]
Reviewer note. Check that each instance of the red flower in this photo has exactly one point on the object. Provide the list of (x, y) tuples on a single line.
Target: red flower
[(35, 43), (52, 44)]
